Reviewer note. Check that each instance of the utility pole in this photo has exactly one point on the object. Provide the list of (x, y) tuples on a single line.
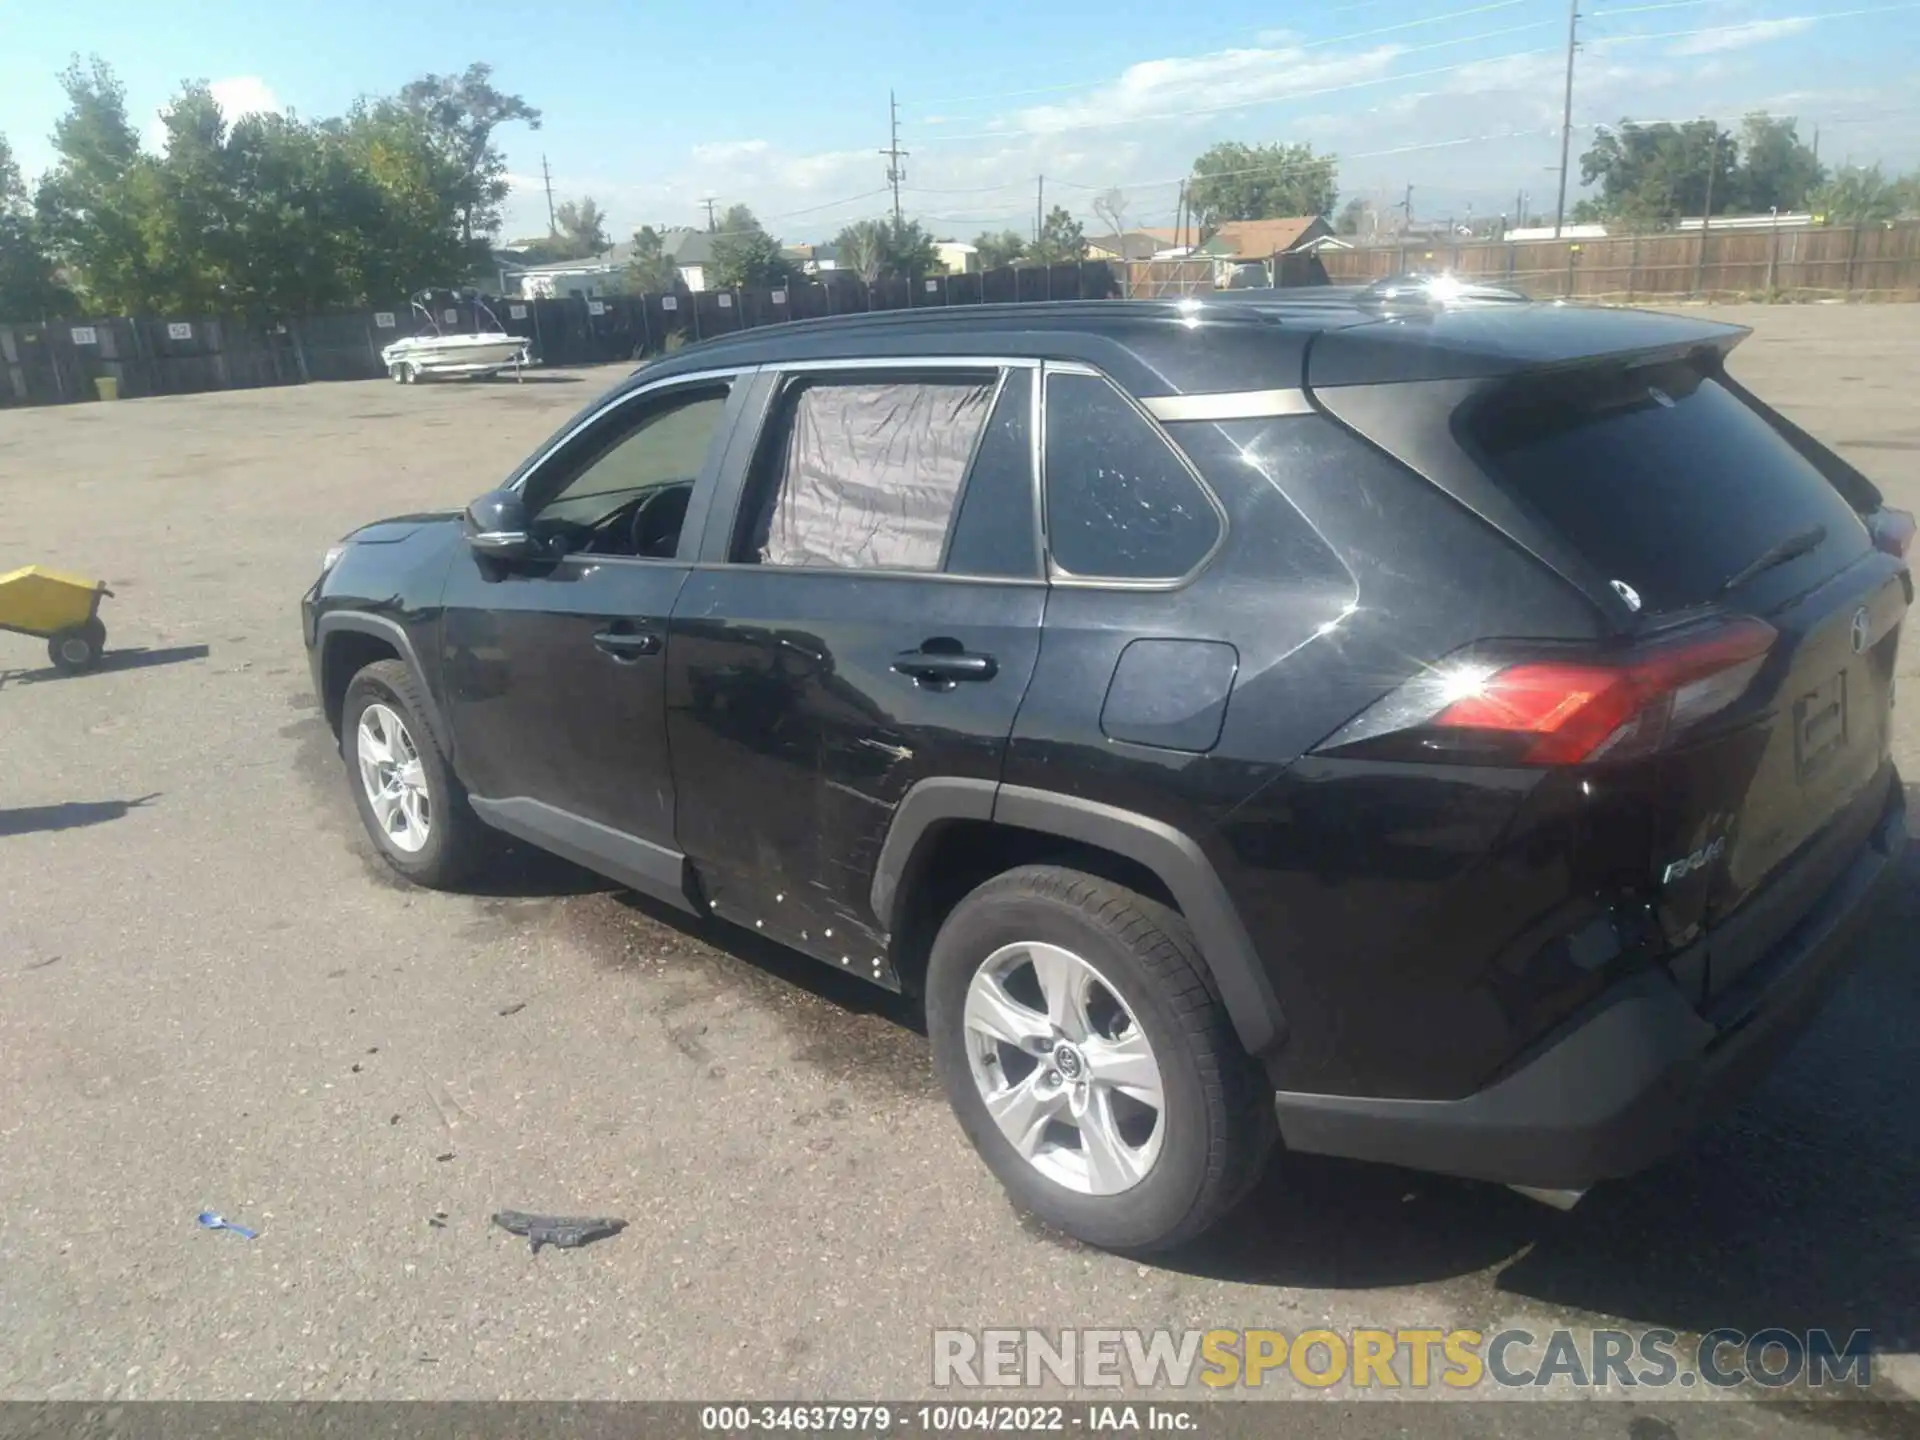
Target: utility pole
[(553, 226), (896, 172), (1706, 211), (707, 200), (1566, 115), (1406, 209), (1039, 194)]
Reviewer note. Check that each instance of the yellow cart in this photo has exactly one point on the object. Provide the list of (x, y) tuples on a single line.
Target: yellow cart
[(63, 610)]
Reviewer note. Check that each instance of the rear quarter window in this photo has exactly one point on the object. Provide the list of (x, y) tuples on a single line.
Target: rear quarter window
[(1120, 503), (1663, 478)]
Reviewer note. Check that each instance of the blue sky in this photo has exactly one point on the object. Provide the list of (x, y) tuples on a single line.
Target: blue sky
[(649, 107)]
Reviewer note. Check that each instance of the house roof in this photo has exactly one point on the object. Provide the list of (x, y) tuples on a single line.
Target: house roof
[(1257, 239), (613, 258), (686, 246), (1132, 244)]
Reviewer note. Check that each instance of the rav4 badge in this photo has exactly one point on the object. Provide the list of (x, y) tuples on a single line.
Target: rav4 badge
[(1698, 860)]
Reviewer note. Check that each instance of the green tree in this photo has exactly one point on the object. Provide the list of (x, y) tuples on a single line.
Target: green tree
[(862, 247), (29, 288), (95, 203), (582, 230), (877, 249), (999, 250), (462, 112), (744, 254), (1651, 175), (1354, 218), (650, 270), (1778, 170), (1232, 181), (411, 226), (1062, 239), (1858, 196)]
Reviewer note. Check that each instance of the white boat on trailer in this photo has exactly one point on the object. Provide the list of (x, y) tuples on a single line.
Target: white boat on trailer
[(434, 353)]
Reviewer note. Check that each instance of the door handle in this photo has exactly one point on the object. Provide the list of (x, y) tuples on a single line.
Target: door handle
[(947, 666), (627, 644)]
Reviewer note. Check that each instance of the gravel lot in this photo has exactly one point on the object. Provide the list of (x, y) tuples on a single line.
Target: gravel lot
[(212, 995)]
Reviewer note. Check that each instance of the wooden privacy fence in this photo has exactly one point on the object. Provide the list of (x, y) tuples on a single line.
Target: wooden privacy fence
[(63, 360), (1868, 262)]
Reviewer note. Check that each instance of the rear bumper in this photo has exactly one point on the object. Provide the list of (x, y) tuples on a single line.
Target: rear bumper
[(1631, 1077)]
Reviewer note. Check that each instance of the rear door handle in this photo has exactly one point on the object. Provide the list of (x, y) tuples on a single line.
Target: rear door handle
[(945, 665), (628, 644)]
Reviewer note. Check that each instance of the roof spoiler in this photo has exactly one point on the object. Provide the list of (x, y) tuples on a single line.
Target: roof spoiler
[(1435, 291)]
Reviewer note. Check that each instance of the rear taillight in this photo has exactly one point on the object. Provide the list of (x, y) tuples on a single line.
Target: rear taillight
[(1892, 531), (1561, 711)]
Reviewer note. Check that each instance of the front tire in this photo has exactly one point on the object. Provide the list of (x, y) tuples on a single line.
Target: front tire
[(1088, 1058), (413, 805)]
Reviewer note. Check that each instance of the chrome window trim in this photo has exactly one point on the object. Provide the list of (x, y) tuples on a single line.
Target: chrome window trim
[(1058, 574), (1228, 405), (732, 374), (904, 362)]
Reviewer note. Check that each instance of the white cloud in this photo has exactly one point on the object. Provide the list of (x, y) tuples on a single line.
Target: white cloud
[(720, 152), (237, 95), (1739, 37), (1224, 80)]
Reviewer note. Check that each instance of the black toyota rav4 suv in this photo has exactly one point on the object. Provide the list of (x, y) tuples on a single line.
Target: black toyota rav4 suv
[(1451, 732)]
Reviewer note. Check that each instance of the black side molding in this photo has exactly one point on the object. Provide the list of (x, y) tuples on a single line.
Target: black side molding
[(1182, 867), (922, 810), (1185, 870), (649, 868), (360, 622)]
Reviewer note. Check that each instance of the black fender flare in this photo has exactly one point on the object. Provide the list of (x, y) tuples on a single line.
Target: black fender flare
[(1169, 853), (361, 623)]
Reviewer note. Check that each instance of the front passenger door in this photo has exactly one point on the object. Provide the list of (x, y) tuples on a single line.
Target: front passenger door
[(554, 666)]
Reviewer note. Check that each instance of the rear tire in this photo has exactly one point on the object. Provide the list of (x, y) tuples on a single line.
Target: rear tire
[(79, 648), (413, 805), (1154, 1028)]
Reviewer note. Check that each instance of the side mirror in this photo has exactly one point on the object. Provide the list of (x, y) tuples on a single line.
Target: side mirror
[(496, 526)]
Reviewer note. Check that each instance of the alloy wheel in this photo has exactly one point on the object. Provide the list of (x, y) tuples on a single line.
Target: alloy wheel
[(1065, 1069), (395, 781)]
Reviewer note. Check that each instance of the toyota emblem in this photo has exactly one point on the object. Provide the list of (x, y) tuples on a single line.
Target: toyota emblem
[(1861, 622)]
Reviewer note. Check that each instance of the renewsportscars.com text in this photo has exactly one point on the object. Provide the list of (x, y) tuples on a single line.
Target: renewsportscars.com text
[(1409, 1359)]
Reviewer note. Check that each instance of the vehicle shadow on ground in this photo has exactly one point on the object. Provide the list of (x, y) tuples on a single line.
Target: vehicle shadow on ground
[(525, 872), (1797, 1211), (73, 815), (134, 657)]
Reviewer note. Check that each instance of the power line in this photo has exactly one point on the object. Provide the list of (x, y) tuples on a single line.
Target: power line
[(1753, 24)]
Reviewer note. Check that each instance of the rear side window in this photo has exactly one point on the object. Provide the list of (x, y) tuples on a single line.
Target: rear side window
[(863, 473), (1121, 505), (1662, 478)]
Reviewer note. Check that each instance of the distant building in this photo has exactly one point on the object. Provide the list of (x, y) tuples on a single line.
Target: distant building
[(1547, 232), (812, 259), (1785, 220), (1132, 244), (602, 274), (959, 257)]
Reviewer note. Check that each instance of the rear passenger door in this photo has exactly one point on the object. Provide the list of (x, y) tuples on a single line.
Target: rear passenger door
[(866, 613)]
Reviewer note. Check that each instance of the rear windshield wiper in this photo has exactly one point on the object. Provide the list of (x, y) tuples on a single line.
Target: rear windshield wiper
[(1778, 553)]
